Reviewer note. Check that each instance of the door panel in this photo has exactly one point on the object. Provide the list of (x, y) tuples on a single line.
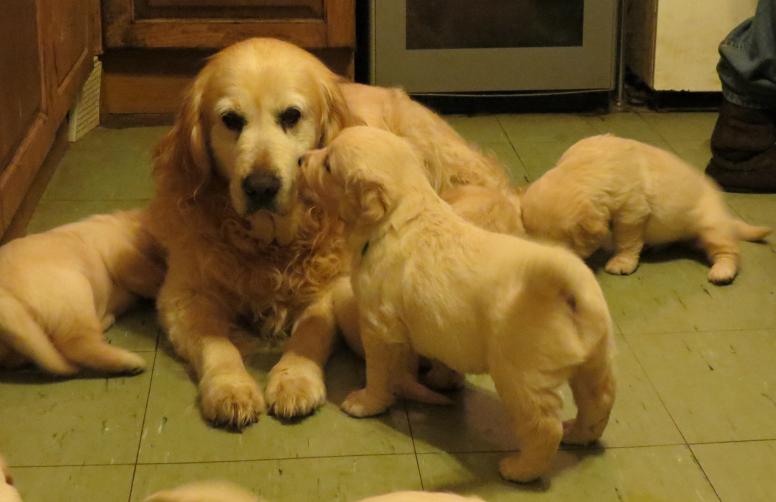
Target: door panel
[(20, 92), (236, 9)]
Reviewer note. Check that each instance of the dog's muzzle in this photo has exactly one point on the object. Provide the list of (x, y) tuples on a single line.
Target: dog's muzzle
[(260, 189)]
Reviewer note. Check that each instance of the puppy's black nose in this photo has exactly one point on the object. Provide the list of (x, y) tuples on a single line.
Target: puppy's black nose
[(260, 189)]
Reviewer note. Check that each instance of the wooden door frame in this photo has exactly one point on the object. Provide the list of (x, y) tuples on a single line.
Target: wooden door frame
[(122, 30)]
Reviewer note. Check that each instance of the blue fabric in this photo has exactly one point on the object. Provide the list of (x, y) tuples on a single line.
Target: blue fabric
[(747, 66)]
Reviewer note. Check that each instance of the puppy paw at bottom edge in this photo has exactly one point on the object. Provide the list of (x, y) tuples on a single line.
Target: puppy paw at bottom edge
[(361, 404)]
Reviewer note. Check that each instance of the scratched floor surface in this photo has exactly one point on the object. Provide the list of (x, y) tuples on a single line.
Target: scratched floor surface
[(695, 417)]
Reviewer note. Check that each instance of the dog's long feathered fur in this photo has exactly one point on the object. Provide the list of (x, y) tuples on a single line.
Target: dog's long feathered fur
[(281, 267)]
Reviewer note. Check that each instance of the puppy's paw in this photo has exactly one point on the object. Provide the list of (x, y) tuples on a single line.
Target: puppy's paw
[(360, 403), (233, 400), (440, 377), (133, 364), (295, 388), (622, 264), (517, 468), (573, 435), (722, 273)]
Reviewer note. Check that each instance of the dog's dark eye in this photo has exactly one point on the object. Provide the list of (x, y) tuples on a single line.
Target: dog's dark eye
[(233, 121), (289, 117)]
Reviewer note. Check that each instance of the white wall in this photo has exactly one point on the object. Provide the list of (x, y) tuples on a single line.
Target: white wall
[(687, 38)]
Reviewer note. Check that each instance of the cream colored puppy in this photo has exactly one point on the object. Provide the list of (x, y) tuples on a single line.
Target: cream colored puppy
[(222, 491), (427, 281), (8, 492), (60, 289), (608, 187)]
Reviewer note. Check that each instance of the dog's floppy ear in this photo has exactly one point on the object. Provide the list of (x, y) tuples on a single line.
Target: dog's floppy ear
[(182, 157), (335, 113), (364, 202)]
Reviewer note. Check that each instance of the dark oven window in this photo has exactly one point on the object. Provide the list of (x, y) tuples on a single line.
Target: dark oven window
[(483, 24)]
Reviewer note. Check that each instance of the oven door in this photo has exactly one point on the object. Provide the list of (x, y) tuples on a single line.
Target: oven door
[(493, 45)]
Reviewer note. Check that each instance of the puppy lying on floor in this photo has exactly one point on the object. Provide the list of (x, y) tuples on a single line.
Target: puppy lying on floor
[(59, 290), (640, 195), (428, 282), (8, 492)]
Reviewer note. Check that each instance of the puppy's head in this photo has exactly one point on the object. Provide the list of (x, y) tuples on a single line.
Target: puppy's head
[(254, 109), (363, 174)]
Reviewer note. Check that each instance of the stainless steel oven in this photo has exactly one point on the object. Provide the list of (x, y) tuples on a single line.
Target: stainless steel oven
[(449, 46)]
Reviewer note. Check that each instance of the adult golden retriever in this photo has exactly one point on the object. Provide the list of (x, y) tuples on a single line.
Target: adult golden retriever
[(244, 248)]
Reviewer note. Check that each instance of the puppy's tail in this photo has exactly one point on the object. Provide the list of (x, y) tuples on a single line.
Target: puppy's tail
[(746, 232), (410, 388), (24, 335)]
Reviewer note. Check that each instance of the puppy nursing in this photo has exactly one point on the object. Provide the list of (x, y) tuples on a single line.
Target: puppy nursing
[(640, 195), (59, 290), (428, 282)]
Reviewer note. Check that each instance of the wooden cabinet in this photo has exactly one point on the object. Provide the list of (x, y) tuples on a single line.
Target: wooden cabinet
[(159, 45), (46, 49), (213, 24)]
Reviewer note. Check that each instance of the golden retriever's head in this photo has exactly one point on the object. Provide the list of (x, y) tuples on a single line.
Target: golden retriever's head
[(363, 174), (254, 109)]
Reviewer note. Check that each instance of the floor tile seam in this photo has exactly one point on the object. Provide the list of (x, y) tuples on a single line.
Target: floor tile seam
[(517, 154), (691, 331), (599, 448), (655, 389), (732, 441), (414, 447), (657, 131), (145, 414), (278, 459)]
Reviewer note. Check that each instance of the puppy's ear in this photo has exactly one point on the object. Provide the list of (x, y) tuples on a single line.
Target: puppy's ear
[(335, 113), (364, 203), (182, 157)]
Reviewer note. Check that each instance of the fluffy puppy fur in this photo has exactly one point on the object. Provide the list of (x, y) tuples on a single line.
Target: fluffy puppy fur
[(427, 281), (59, 290), (222, 491), (8, 492), (605, 187), (278, 263)]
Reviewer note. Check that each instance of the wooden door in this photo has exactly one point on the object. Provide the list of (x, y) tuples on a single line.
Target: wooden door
[(213, 24), (46, 49)]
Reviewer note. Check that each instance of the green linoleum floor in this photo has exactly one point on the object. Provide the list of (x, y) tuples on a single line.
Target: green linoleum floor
[(695, 417)]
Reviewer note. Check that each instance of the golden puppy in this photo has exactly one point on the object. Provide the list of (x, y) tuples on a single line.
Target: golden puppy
[(8, 492), (221, 491), (531, 315), (245, 251), (59, 290), (640, 195)]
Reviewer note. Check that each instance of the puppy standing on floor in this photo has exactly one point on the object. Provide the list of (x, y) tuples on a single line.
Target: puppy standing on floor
[(428, 282), (59, 290), (605, 186)]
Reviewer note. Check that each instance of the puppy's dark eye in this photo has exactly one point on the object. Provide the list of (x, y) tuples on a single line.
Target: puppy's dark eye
[(289, 117), (233, 121)]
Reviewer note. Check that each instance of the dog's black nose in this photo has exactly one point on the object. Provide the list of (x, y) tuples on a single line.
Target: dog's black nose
[(260, 189)]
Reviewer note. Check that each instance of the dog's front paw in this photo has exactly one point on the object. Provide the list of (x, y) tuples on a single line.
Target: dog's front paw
[(296, 388), (622, 264), (360, 403), (573, 435), (517, 468), (233, 400), (722, 273)]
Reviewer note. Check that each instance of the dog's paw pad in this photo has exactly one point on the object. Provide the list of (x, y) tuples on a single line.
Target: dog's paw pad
[(295, 391), (622, 265), (359, 404), (515, 468), (232, 400), (721, 274)]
